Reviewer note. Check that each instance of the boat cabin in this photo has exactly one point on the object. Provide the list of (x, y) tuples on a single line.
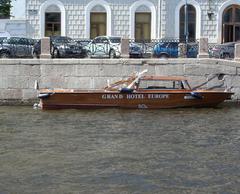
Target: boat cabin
[(149, 83), (162, 82)]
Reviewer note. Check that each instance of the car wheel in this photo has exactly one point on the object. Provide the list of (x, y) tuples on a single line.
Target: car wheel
[(226, 56), (88, 55), (55, 53), (4, 55), (163, 56), (35, 55), (112, 54)]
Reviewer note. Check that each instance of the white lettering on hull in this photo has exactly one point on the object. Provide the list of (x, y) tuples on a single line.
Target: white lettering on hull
[(158, 96), (112, 96), (134, 96)]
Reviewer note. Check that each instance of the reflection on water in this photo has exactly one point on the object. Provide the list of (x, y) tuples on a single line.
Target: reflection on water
[(120, 151)]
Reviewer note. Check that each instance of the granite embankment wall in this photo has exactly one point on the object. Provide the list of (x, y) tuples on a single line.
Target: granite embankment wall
[(17, 76)]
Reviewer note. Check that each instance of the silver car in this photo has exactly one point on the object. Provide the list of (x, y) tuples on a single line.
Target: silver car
[(14, 47), (223, 51), (104, 46)]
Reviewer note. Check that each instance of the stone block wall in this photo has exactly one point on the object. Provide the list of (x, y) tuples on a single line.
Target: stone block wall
[(17, 81), (75, 17), (17, 76), (165, 17)]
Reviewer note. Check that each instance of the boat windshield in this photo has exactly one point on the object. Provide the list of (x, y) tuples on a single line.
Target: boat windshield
[(161, 84)]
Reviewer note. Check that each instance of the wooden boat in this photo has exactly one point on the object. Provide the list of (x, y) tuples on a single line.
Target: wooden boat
[(137, 91)]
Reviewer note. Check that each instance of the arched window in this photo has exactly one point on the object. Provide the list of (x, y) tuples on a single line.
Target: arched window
[(143, 23), (52, 21), (231, 24), (98, 22), (142, 20), (98, 19), (52, 18), (191, 11)]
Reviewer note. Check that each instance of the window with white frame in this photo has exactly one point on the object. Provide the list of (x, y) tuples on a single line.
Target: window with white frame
[(191, 23), (142, 26), (98, 24), (231, 24)]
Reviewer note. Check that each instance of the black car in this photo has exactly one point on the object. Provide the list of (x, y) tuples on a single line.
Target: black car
[(62, 47), (16, 47), (136, 50), (2, 39), (140, 50), (83, 42)]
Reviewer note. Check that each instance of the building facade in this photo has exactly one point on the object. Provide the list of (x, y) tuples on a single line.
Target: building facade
[(219, 20)]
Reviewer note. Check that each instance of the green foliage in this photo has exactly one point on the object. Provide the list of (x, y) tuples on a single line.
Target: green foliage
[(5, 7)]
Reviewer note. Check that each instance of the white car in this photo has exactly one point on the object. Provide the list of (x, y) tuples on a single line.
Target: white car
[(104, 46)]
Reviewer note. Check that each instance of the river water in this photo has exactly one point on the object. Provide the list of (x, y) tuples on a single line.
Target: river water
[(120, 151)]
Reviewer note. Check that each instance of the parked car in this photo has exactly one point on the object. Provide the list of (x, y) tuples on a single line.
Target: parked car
[(166, 50), (2, 39), (16, 47), (171, 50), (104, 46), (136, 50), (223, 51), (192, 50), (83, 42), (61, 47)]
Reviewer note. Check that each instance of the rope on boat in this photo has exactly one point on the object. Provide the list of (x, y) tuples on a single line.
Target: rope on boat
[(204, 83), (221, 78)]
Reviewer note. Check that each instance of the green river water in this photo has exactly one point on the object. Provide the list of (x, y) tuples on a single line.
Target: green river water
[(120, 151)]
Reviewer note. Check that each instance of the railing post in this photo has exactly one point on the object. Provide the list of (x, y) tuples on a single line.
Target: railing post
[(203, 48), (237, 52), (125, 48), (45, 48)]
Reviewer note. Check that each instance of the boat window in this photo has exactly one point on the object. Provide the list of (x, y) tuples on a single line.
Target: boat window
[(162, 84)]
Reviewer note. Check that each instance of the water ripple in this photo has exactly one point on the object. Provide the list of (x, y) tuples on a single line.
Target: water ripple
[(120, 151)]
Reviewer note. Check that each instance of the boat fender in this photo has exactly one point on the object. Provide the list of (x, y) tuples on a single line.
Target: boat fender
[(196, 95), (46, 95), (126, 90)]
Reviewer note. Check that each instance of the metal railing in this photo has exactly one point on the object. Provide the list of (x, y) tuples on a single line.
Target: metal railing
[(167, 48), (159, 48)]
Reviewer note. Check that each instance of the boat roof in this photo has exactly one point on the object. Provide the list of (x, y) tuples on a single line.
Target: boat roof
[(164, 78)]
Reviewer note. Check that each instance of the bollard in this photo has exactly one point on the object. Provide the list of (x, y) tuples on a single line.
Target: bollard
[(125, 48), (237, 52), (45, 48), (203, 48)]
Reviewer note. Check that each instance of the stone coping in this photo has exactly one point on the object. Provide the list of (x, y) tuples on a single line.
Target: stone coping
[(118, 61)]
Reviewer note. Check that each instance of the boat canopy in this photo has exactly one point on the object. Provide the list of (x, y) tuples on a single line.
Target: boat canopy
[(164, 78)]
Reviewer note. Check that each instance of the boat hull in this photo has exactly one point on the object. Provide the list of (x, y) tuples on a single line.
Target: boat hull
[(140, 100)]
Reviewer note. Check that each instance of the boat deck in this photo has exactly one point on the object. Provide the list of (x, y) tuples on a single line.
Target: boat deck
[(165, 90)]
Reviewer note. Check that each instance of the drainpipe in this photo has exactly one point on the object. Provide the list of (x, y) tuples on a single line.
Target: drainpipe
[(186, 33), (159, 18)]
